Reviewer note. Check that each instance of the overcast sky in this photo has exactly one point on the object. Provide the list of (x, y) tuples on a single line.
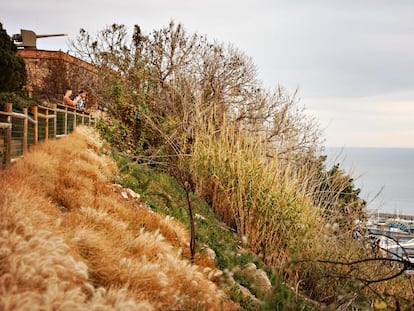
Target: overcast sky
[(352, 61)]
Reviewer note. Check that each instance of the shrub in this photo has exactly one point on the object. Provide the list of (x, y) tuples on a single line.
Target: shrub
[(12, 67)]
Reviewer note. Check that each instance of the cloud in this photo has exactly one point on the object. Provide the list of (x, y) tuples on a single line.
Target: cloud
[(340, 54), (383, 120)]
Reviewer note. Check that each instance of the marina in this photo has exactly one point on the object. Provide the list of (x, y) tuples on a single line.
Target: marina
[(393, 235)]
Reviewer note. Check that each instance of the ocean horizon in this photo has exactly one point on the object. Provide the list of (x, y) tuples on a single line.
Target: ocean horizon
[(384, 175)]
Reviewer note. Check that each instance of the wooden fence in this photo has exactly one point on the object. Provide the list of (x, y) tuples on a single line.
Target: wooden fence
[(22, 128)]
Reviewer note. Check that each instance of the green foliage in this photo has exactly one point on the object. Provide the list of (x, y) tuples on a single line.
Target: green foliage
[(12, 67), (19, 100), (245, 302), (283, 298), (162, 193), (337, 195), (349, 194)]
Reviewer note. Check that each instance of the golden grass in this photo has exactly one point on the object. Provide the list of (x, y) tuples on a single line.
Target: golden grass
[(68, 240)]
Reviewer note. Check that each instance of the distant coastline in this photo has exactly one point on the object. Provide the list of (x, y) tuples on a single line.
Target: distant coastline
[(390, 215)]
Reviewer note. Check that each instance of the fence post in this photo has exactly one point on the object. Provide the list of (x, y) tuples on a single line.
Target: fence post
[(25, 130), (36, 125), (9, 108)]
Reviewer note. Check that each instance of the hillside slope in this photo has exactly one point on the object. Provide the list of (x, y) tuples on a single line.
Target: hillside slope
[(68, 239)]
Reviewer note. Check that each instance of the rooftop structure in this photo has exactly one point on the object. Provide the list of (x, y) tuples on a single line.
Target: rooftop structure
[(27, 38)]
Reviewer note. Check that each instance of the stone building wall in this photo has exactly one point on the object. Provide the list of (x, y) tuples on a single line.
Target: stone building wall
[(51, 73)]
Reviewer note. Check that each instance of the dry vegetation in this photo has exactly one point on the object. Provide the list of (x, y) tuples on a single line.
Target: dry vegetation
[(69, 240), (270, 201), (263, 199)]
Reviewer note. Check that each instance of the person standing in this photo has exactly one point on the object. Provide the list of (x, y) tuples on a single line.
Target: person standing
[(67, 99), (80, 100)]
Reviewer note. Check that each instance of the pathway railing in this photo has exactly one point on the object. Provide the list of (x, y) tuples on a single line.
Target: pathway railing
[(22, 128)]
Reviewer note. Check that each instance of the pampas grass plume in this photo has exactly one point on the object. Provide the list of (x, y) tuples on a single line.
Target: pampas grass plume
[(69, 242)]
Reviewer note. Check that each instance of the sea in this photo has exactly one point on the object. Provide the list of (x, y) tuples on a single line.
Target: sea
[(384, 175)]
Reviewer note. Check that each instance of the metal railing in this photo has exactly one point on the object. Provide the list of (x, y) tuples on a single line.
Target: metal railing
[(22, 128)]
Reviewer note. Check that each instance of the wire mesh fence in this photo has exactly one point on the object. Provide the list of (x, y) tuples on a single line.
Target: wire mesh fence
[(71, 125), (31, 133), (20, 129), (17, 137), (61, 129), (41, 129), (3, 143)]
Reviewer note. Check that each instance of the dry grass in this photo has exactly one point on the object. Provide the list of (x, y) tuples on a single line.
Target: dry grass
[(68, 240), (264, 200), (269, 201)]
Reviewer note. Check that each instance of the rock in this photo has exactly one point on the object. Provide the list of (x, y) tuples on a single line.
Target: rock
[(132, 194), (250, 267), (199, 217), (126, 193), (246, 293), (256, 277), (211, 254), (263, 281), (243, 290)]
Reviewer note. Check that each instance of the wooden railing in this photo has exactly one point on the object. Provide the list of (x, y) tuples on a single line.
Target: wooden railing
[(20, 129)]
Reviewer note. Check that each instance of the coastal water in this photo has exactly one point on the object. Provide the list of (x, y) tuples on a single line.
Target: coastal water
[(384, 175)]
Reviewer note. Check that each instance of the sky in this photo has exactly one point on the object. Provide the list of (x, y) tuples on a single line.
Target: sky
[(352, 61)]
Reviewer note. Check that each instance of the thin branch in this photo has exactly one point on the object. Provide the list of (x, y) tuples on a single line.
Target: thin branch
[(406, 265)]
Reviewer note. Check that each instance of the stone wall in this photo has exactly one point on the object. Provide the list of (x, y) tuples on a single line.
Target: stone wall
[(51, 73)]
